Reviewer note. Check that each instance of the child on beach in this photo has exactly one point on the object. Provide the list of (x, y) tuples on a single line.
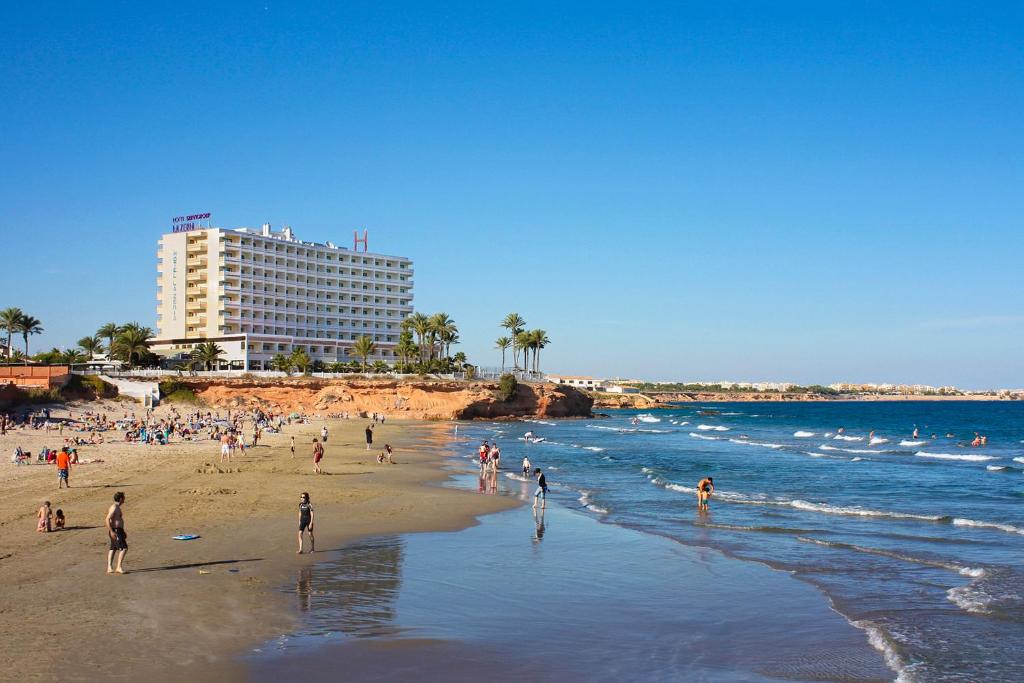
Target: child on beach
[(704, 490), (526, 466), (45, 517), (58, 519), (389, 453), (306, 522), (63, 467)]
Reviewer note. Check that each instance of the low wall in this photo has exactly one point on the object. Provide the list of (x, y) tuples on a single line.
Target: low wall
[(35, 375), (147, 392)]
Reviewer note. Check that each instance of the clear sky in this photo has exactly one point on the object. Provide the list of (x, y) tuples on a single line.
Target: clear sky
[(803, 191)]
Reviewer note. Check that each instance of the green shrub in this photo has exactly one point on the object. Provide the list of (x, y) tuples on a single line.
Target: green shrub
[(174, 391), (507, 388), (88, 387)]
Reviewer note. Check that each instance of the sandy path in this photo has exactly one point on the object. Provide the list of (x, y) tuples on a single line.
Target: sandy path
[(193, 606)]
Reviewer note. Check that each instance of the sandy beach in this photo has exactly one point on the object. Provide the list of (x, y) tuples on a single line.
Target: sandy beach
[(196, 605)]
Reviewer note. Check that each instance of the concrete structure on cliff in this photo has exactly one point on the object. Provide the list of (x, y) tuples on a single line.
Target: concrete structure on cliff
[(257, 293)]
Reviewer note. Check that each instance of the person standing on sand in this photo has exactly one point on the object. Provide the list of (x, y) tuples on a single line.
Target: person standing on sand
[(306, 522), (323, 434), (118, 536), (542, 489), (63, 468), (293, 446), (225, 447), (704, 490), (369, 436), (318, 454)]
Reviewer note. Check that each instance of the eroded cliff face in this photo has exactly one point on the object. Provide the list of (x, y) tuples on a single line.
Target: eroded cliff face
[(418, 399)]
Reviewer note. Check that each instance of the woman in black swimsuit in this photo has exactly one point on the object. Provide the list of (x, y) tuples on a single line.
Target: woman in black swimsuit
[(306, 522)]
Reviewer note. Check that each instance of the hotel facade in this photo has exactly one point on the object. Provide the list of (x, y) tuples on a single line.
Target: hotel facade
[(257, 293)]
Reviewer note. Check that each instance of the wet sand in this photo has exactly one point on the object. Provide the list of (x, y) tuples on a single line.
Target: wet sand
[(558, 598), (188, 609)]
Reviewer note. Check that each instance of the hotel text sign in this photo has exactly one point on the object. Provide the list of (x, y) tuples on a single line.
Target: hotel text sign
[(190, 222)]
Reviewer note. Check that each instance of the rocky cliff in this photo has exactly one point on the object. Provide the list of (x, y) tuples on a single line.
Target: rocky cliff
[(419, 399)]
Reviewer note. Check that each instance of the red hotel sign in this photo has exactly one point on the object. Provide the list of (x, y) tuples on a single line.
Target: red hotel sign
[(190, 222)]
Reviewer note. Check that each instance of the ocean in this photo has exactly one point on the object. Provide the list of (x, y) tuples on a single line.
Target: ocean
[(824, 556), (918, 542)]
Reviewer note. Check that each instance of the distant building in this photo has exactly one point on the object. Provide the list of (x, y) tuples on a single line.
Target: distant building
[(580, 382), (257, 293), (618, 389)]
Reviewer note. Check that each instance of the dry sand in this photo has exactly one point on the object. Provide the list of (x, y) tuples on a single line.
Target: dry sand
[(189, 608)]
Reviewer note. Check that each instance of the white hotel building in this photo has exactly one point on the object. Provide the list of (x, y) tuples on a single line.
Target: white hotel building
[(257, 293)]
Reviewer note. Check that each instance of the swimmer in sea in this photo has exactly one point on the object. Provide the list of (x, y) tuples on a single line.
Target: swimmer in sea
[(705, 488), (916, 432)]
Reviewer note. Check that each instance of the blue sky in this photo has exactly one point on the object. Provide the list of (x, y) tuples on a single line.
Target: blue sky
[(801, 191)]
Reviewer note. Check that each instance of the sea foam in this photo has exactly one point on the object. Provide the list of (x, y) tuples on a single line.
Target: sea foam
[(969, 457)]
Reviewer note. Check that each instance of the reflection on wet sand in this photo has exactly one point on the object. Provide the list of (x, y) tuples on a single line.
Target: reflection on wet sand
[(355, 593)]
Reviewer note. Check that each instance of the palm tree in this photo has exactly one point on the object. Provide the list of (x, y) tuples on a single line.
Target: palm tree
[(503, 343), (524, 341), (420, 324), (301, 360), (448, 337), (207, 353), (539, 339), (71, 357), (92, 345), (281, 363), (9, 318), (441, 327), (515, 324), (109, 332), (363, 347), (27, 326), (131, 342), (405, 347)]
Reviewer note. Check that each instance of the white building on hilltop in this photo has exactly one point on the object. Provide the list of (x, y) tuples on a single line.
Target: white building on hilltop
[(257, 293)]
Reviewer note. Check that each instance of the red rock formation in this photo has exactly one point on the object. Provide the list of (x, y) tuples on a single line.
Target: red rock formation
[(420, 399)]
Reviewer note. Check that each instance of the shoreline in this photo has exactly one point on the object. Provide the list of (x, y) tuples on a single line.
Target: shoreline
[(197, 606)]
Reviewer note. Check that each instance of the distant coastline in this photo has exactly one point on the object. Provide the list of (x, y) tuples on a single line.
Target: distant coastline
[(655, 401)]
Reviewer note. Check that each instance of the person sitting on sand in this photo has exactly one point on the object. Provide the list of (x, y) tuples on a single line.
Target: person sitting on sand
[(58, 519), (306, 522), (45, 516), (705, 488)]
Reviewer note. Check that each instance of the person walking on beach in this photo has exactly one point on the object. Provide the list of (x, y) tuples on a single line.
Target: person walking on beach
[(318, 454), (306, 522), (369, 436), (323, 434), (704, 490), (542, 490), (63, 467), (293, 446), (118, 536)]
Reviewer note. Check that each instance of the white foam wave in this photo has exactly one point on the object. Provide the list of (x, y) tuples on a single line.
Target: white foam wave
[(905, 442), (826, 447), (517, 477), (706, 438), (1007, 528), (969, 457), (593, 448), (648, 418), (747, 442), (857, 459), (1020, 460), (712, 428), (881, 642), (877, 440), (973, 572), (844, 437), (586, 502), (995, 468), (802, 434)]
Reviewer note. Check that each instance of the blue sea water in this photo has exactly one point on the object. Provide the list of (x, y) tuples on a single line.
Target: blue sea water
[(918, 542)]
